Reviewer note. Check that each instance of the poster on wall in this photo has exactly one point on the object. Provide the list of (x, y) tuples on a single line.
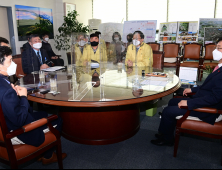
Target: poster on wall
[(68, 7), (33, 20), (212, 35), (168, 32), (147, 27), (107, 30), (206, 23), (187, 31)]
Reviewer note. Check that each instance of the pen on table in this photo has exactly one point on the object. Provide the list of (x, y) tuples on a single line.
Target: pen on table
[(49, 63)]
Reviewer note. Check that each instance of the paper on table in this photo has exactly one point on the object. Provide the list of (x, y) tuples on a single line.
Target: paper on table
[(188, 73), (51, 69), (154, 83)]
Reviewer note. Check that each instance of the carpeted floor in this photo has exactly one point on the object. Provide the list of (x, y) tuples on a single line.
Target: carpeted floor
[(138, 153)]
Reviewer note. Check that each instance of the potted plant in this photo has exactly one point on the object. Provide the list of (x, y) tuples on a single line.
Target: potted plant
[(70, 25)]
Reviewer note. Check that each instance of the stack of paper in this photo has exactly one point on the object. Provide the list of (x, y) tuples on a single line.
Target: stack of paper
[(51, 69)]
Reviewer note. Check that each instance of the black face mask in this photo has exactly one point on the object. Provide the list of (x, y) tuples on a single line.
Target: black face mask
[(94, 44)]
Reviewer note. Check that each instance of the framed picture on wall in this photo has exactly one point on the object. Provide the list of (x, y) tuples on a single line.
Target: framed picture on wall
[(68, 7)]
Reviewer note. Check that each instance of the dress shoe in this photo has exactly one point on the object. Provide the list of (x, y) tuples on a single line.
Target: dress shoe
[(40, 159), (52, 159), (162, 142)]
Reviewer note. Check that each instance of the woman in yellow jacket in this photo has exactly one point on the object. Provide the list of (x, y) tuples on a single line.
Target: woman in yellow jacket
[(92, 52), (140, 49)]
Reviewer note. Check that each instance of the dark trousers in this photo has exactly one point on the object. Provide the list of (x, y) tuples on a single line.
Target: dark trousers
[(168, 118), (31, 135)]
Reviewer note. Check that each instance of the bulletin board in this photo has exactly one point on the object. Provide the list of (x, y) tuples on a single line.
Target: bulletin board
[(148, 28), (168, 32), (187, 31)]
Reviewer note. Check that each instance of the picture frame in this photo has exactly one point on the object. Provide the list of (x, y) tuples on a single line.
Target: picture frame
[(68, 7)]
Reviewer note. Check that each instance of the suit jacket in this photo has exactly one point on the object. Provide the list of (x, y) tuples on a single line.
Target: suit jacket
[(17, 113), (26, 46), (30, 61), (48, 48), (209, 94)]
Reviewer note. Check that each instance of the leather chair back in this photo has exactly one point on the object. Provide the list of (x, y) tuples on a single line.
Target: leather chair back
[(192, 51), (154, 46), (2, 123), (209, 48), (18, 60), (1, 135), (171, 50), (158, 60)]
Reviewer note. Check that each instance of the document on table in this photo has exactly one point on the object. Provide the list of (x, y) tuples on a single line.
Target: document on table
[(51, 69), (154, 83)]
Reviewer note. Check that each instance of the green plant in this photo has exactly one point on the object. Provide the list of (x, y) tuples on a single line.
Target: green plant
[(70, 25), (208, 70)]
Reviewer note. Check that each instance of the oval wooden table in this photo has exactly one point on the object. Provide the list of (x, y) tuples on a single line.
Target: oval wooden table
[(100, 110)]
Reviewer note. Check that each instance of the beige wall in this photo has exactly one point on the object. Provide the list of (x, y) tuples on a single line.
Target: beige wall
[(84, 9), (4, 30)]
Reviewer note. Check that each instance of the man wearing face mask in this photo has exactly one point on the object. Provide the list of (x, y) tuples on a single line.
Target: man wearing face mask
[(116, 50), (16, 108), (82, 42), (139, 49), (46, 46), (209, 94), (92, 52), (35, 58)]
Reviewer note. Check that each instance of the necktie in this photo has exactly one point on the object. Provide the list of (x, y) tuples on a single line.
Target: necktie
[(39, 57), (215, 69)]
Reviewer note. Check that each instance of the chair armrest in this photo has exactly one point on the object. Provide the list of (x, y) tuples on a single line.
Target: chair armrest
[(205, 109), (31, 126)]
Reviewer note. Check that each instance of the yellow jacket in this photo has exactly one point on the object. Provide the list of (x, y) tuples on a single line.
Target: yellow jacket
[(88, 54), (78, 55), (144, 55)]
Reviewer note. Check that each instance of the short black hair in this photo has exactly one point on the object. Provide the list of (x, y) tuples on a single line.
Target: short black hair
[(218, 40), (3, 40), (117, 33), (139, 32), (94, 35), (33, 36), (4, 52), (97, 32), (44, 34)]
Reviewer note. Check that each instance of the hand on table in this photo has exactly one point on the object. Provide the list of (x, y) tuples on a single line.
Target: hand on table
[(44, 66), (182, 103), (188, 90)]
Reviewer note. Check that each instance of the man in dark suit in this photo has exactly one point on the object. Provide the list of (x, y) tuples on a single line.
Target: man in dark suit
[(209, 94), (27, 45), (16, 108), (46, 46), (35, 58)]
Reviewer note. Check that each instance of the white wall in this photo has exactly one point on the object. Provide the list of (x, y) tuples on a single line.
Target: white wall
[(84, 8), (4, 30)]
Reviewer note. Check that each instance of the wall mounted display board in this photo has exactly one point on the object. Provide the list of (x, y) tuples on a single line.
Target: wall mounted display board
[(107, 30), (147, 27), (33, 20), (208, 22), (211, 35), (168, 32), (187, 31)]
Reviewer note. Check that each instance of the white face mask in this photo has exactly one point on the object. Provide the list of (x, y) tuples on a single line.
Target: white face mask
[(37, 45), (47, 39), (116, 39), (82, 43), (11, 70), (136, 42), (217, 55)]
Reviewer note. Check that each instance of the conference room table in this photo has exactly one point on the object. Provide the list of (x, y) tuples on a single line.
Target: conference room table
[(99, 106)]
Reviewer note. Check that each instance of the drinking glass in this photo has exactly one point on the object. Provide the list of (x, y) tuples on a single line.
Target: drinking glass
[(53, 85)]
